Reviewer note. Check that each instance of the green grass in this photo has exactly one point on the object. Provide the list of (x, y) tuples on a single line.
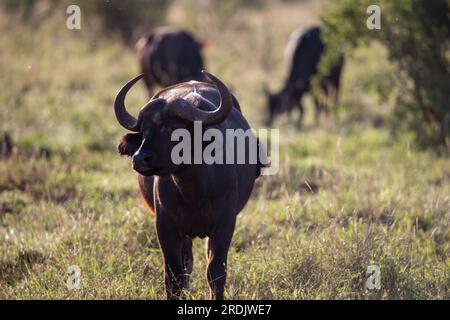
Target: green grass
[(347, 195)]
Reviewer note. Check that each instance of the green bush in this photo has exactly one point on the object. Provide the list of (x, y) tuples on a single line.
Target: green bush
[(416, 35), (127, 17)]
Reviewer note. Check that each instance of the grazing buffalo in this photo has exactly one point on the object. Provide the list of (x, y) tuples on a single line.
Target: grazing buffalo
[(169, 56), (303, 54), (189, 200)]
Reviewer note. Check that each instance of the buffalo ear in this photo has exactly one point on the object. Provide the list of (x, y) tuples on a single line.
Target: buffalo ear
[(130, 143)]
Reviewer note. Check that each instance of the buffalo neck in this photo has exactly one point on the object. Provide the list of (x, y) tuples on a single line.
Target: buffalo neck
[(192, 183)]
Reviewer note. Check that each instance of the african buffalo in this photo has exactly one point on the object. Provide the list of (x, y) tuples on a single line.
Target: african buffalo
[(303, 53), (169, 56), (189, 200)]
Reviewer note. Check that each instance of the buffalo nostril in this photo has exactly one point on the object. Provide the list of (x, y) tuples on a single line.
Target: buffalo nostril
[(140, 160)]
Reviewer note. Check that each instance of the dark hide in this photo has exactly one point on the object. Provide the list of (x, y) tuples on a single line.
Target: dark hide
[(169, 56), (303, 54)]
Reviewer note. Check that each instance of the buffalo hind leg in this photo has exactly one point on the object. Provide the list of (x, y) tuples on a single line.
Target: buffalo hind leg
[(217, 252), (187, 259), (171, 247), (302, 114), (329, 99), (319, 108), (335, 95), (301, 109)]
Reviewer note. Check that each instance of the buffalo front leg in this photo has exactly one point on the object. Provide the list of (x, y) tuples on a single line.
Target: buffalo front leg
[(217, 252), (171, 247)]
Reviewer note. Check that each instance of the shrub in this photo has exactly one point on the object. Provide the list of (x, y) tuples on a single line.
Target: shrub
[(416, 35)]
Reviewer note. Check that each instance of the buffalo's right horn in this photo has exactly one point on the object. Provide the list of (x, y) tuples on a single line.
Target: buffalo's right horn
[(125, 119)]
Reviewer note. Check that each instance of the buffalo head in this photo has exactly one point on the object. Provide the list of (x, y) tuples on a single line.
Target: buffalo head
[(151, 145), (276, 104)]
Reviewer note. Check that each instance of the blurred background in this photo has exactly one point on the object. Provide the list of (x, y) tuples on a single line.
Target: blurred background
[(367, 185)]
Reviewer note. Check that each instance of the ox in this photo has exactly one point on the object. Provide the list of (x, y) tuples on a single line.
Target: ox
[(169, 56), (189, 200), (303, 54)]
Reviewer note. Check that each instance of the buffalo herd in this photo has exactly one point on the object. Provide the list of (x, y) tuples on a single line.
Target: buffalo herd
[(197, 199)]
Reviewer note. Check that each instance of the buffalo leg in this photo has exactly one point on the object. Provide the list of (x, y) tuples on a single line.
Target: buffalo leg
[(187, 259), (318, 110), (217, 252), (299, 105), (329, 94), (149, 85), (335, 95), (171, 247)]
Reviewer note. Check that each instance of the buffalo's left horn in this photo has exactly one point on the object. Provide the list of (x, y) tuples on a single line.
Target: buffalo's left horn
[(207, 117), (125, 119)]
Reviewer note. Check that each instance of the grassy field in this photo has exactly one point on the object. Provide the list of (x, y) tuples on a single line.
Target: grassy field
[(347, 196)]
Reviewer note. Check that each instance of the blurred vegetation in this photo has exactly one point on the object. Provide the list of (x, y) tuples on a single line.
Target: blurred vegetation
[(416, 34), (128, 18)]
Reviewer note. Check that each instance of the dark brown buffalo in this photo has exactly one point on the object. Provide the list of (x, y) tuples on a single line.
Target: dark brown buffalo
[(303, 54), (169, 56), (189, 200)]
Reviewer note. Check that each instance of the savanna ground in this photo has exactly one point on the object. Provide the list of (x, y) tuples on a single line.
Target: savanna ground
[(347, 196)]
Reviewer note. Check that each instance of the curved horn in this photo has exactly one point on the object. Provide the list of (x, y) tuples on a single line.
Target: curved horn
[(208, 117), (125, 119)]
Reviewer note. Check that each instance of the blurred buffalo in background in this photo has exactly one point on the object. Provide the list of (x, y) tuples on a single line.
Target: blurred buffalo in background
[(169, 56), (303, 53)]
